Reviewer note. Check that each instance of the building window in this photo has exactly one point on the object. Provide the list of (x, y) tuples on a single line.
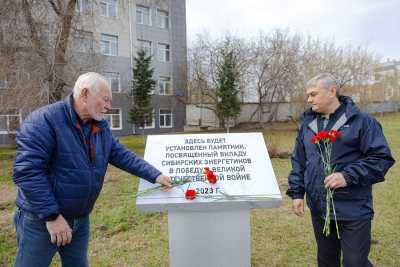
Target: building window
[(165, 118), (83, 7), (113, 79), (145, 46), (83, 41), (149, 125), (163, 52), (109, 45), (9, 123), (108, 8), (162, 19), (3, 84), (114, 118), (164, 86), (143, 15)]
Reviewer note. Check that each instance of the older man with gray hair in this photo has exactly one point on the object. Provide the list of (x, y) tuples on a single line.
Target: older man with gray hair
[(360, 158), (61, 160)]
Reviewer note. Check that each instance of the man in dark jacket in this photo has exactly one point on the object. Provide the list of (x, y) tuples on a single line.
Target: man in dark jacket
[(360, 157), (61, 160)]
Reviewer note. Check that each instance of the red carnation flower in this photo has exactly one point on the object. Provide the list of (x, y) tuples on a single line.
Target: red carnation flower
[(315, 139), (211, 177), (335, 133), (190, 194), (331, 138), (323, 135)]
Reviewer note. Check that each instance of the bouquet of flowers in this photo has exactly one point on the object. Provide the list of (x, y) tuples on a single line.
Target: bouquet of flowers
[(323, 140)]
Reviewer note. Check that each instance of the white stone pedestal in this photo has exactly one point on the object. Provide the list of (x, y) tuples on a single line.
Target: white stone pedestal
[(212, 230), (212, 239)]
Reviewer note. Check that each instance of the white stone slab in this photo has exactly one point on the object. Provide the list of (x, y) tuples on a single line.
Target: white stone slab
[(240, 160)]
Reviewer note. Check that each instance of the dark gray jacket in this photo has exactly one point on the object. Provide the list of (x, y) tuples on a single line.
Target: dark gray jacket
[(361, 154)]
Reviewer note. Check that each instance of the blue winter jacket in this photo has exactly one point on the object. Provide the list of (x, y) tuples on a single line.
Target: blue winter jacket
[(361, 154), (58, 171)]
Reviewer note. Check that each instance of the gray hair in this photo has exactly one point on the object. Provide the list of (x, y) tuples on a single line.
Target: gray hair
[(325, 81), (90, 81)]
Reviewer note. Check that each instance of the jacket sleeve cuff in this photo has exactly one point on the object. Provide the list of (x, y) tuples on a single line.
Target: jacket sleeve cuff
[(51, 217), (47, 214), (298, 196), (153, 177), (347, 178), (294, 195)]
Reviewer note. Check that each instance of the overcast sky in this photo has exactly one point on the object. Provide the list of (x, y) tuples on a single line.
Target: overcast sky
[(373, 24)]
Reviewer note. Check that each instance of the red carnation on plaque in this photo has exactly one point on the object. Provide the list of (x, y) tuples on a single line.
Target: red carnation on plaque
[(211, 177), (190, 194), (324, 141)]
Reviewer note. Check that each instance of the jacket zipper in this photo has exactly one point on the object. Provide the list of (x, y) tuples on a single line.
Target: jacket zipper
[(89, 161)]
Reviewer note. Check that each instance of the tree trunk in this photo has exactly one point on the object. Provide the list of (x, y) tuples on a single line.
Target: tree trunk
[(56, 74)]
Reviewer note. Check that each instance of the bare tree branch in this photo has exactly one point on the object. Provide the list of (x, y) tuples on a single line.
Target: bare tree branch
[(55, 8), (33, 31)]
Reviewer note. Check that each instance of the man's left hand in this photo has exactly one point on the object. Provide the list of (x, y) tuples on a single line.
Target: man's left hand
[(335, 180), (164, 181)]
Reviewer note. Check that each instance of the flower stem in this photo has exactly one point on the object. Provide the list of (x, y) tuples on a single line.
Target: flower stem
[(327, 229), (334, 213), (329, 200), (174, 183)]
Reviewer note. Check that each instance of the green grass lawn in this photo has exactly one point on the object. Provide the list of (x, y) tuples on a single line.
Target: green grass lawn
[(123, 236)]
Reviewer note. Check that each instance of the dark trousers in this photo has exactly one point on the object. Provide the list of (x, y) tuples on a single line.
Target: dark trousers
[(354, 243)]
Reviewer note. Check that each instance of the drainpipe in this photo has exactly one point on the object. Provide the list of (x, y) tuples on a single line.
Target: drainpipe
[(131, 48), (130, 34)]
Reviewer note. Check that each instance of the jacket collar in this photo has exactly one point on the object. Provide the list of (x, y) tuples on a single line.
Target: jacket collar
[(310, 116), (97, 126)]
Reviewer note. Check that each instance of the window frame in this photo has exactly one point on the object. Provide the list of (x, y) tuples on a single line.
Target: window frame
[(160, 18), (164, 80), (8, 131), (141, 9), (3, 84), (109, 36), (165, 114), (108, 5), (112, 120), (80, 7), (166, 51), (153, 124)]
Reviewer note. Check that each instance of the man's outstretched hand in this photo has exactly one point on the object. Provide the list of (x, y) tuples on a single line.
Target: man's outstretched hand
[(164, 181)]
